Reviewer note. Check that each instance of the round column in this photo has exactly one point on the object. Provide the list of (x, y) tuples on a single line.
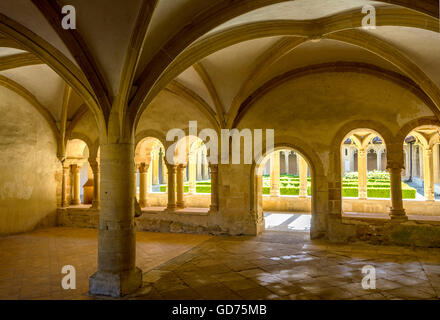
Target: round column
[(143, 169)]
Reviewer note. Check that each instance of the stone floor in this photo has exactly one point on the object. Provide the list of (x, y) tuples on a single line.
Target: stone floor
[(275, 265)]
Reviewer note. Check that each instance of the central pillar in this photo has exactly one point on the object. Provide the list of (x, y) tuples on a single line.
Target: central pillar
[(180, 186), (214, 187), (428, 174), (76, 200), (117, 274), (143, 169), (396, 211), (302, 177), (96, 184), (171, 188), (362, 173), (275, 174)]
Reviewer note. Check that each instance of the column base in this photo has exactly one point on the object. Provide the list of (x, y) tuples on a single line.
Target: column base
[(274, 194), (143, 203), (398, 215), (76, 202), (180, 205), (213, 209), (115, 284), (171, 208), (96, 205)]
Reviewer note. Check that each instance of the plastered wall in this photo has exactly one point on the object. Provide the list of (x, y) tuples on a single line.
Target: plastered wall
[(28, 167)]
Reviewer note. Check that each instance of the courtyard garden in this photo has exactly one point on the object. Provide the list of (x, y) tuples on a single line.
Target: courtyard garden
[(378, 185)]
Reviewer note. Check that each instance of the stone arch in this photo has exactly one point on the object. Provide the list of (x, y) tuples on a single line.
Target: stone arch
[(317, 174), (406, 129)]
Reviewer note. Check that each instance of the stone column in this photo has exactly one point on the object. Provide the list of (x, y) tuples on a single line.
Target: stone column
[(76, 199), (192, 167), (302, 177), (64, 202), (205, 168), (199, 165), (275, 174), (379, 160), (96, 184), (362, 173), (143, 169), (428, 174), (396, 211), (180, 187), (286, 162), (149, 177), (214, 187), (155, 171), (436, 161), (117, 274), (136, 168), (164, 171), (171, 187)]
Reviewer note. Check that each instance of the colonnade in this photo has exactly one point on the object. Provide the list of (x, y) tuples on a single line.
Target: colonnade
[(275, 159)]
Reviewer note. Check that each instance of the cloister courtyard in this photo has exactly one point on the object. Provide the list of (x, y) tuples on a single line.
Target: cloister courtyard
[(252, 149)]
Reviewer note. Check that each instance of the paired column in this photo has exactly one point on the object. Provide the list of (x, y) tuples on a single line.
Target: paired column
[(428, 174), (302, 177), (96, 184), (171, 187), (396, 211), (117, 274), (180, 186), (362, 173), (76, 199), (143, 170), (214, 187), (275, 174)]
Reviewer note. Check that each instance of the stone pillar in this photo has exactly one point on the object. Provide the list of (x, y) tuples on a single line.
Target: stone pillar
[(136, 168), (171, 188), (96, 184), (199, 165), (164, 170), (436, 162), (214, 187), (143, 169), (302, 177), (428, 174), (180, 187), (76, 199), (205, 168), (286, 162), (396, 211), (117, 274), (379, 160), (362, 173), (155, 171), (192, 167), (64, 202), (275, 174), (149, 178)]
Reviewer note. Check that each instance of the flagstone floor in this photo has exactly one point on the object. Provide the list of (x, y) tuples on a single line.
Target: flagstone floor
[(275, 265)]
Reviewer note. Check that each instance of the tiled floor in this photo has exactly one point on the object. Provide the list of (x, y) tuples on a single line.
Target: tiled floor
[(275, 265)]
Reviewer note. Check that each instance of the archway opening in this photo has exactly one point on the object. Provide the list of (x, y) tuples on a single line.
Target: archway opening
[(81, 175), (421, 157), (284, 191)]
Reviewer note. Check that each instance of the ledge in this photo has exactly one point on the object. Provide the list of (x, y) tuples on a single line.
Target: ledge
[(348, 217), (185, 211)]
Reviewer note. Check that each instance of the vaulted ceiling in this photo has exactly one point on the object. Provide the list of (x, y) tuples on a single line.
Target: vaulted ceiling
[(216, 53)]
